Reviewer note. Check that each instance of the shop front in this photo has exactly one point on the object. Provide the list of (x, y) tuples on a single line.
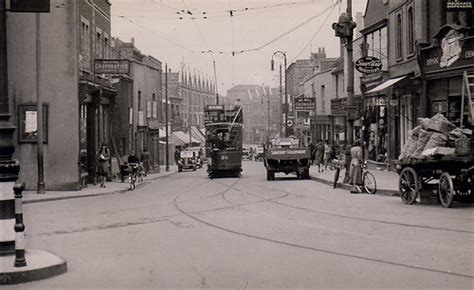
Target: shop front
[(390, 111), (96, 100), (338, 121), (444, 65), (321, 128)]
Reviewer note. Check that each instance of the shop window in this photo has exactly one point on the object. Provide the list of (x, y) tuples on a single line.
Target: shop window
[(438, 89)]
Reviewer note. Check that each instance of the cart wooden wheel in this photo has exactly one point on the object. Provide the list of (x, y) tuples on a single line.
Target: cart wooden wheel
[(446, 190), (408, 185)]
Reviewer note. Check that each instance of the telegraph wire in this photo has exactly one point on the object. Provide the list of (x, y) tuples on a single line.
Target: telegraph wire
[(314, 35)]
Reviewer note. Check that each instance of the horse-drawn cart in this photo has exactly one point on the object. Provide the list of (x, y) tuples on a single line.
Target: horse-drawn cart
[(455, 176)]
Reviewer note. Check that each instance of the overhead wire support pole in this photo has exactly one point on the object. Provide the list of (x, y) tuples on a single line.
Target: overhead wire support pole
[(166, 120), (344, 29), (286, 93), (350, 93), (39, 109)]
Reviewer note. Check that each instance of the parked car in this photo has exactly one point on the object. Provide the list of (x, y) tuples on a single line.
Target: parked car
[(246, 154), (187, 161), (200, 155), (259, 153)]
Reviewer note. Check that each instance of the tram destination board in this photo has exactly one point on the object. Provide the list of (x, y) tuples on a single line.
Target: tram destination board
[(218, 114)]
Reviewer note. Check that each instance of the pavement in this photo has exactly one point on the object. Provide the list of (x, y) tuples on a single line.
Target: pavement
[(112, 187), (387, 181), (40, 265), (43, 264)]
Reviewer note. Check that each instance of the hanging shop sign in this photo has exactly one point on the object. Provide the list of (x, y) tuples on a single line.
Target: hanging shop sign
[(30, 6), (368, 65), (339, 106), (455, 50), (305, 104), (111, 66), (458, 5)]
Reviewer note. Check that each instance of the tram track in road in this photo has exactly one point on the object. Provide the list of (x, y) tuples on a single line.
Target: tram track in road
[(192, 215), (243, 207), (349, 216)]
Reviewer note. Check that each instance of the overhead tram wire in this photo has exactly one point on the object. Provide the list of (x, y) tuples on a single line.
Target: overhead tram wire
[(245, 50), (214, 14), (314, 35), (156, 33)]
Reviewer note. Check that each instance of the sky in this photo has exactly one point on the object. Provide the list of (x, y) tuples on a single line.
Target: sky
[(197, 33)]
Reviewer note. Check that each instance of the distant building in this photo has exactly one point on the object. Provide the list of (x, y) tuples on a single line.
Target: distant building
[(195, 91), (301, 68), (261, 110)]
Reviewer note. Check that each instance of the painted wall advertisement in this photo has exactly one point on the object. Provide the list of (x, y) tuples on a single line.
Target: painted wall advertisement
[(454, 50)]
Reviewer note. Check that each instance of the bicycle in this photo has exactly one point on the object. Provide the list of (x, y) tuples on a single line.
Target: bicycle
[(368, 180), (133, 174), (369, 183)]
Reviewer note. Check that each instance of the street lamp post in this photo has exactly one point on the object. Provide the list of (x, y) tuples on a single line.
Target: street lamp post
[(286, 94), (9, 167)]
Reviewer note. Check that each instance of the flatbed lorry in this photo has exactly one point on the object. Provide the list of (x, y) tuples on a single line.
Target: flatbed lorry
[(286, 156)]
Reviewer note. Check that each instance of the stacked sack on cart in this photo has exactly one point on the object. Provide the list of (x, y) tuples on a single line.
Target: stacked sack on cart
[(435, 136)]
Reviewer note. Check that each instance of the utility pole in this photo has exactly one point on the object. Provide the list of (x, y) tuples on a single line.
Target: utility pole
[(344, 29), (268, 113), (286, 109), (39, 109), (215, 79), (166, 119)]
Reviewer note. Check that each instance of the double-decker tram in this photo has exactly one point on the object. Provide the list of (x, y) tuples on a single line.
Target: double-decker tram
[(223, 140)]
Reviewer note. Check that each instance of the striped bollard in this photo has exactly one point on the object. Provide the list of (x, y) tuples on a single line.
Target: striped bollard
[(7, 218), (20, 260)]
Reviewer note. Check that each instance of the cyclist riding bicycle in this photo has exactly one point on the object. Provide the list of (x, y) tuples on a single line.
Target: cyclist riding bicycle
[(133, 164)]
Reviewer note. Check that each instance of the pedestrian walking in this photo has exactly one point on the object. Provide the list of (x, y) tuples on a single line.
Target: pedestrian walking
[(103, 157), (327, 154), (177, 155), (312, 152), (146, 161), (355, 172), (319, 155)]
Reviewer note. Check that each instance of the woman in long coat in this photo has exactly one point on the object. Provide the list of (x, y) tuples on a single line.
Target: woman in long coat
[(103, 156), (318, 157), (355, 172)]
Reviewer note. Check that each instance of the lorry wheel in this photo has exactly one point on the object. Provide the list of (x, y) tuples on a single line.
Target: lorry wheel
[(270, 175), (306, 174)]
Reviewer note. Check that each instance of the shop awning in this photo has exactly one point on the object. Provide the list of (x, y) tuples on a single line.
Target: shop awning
[(386, 84), (183, 138), (196, 133)]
